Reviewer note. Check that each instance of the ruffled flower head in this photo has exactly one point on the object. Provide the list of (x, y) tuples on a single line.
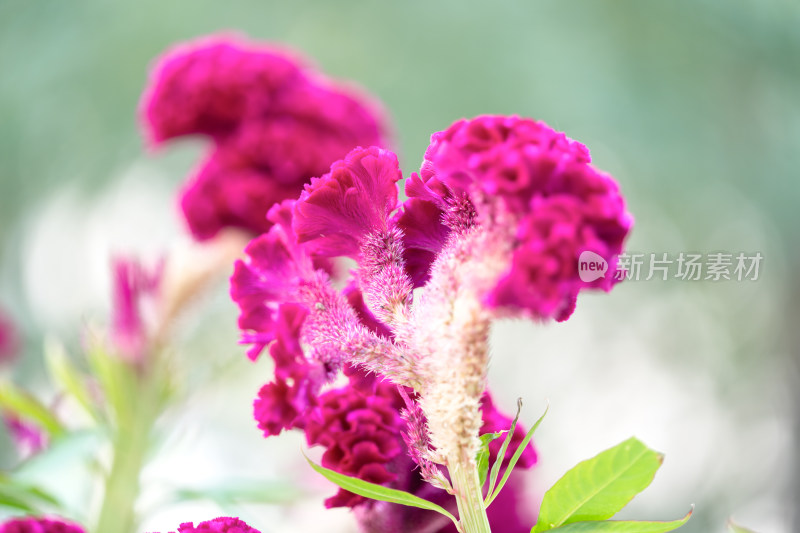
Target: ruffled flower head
[(39, 525), (218, 525), (273, 122), (522, 174)]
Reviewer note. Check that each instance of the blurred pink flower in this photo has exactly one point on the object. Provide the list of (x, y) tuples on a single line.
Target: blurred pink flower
[(132, 284), (218, 525), (274, 123), (9, 339), (39, 525), (27, 437)]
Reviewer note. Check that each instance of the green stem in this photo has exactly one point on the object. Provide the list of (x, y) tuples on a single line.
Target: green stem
[(469, 498), (130, 444)]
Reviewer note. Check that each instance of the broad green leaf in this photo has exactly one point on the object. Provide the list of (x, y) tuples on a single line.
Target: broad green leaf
[(483, 454), (502, 454), (378, 492), (623, 526), (735, 528), (24, 405), (67, 376), (514, 458), (598, 488)]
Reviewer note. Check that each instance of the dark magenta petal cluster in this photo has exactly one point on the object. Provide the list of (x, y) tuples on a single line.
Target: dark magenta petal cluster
[(218, 525), (281, 403), (39, 525), (273, 121), (274, 268), (524, 171), (360, 432)]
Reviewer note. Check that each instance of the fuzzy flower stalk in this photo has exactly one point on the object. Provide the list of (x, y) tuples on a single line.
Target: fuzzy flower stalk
[(493, 227)]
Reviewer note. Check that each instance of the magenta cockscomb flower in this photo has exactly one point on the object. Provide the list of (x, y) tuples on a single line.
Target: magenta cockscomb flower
[(272, 120), (39, 525), (360, 433), (525, 178), (218, 525), (494, 226)]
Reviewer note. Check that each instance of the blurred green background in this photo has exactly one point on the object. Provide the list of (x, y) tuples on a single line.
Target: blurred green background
[(694, 106)]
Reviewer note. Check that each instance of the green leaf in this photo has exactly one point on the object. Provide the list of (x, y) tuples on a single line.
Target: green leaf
[(378, 492), (498, 462), (623, 526), (67, 376), (117, 380), (483, 454), (514, 458), (24, 497), (24, 405), (735, 528), (598, 488)]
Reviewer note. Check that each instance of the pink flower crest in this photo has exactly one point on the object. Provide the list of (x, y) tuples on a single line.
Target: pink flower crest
[(39, 525), (273, 123)]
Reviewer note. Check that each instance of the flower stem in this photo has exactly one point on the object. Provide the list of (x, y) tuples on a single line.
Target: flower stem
[(130, 443), (469, 497)]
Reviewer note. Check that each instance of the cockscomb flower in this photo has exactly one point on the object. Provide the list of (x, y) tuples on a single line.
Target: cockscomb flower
[(218, 525), (494, 226), (523, 176), (39, 525), (273, 123)]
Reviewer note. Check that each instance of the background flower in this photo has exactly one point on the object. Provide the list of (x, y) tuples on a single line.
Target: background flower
[(273, 121)]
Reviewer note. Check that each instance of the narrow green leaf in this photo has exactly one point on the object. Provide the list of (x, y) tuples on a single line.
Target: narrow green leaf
[(483, 454), (67, 376), (378, 492), (502, 454), (12, 500), (24, 497), (24, 405), (598, 488), (117, 381), (735, 528), (623, 526), (514, 458)]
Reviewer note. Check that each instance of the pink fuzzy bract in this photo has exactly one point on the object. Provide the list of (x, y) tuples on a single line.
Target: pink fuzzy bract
[(274, 123)]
